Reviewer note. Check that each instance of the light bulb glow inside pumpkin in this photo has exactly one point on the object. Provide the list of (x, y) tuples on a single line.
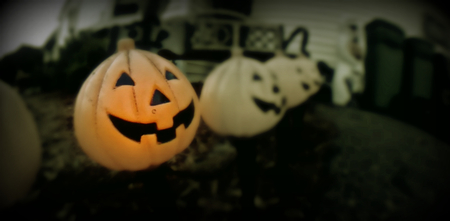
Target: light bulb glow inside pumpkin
[(299, 78), (135, 111), (241, 98)]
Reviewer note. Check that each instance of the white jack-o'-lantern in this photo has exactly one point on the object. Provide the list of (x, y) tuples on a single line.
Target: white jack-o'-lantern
[(299, 78), (241, 98)]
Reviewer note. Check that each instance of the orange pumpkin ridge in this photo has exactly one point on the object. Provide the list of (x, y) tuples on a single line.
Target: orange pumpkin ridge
[(95, 101), (153, 63), (136, 103), (164, 76), (100, 89), (97, 107), (134, 90)]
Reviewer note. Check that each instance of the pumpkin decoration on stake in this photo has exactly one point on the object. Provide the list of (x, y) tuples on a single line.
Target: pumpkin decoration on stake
[(241, 99), (299, 77), (135, 111)]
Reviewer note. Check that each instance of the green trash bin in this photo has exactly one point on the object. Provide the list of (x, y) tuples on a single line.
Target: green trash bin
[(417, 85), (441, 96), (418, 69), (384, 65)]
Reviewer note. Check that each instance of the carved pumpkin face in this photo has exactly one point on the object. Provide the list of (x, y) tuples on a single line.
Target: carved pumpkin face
[(299, 78), (135, 111), (309, 68), (241, 98)]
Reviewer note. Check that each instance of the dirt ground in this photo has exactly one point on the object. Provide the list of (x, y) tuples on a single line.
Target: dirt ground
[(353, 166)]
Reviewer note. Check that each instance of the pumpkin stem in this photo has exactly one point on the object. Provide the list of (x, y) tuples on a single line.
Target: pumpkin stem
[(125, 44), (301, 55), (279, 52), (236, 51)]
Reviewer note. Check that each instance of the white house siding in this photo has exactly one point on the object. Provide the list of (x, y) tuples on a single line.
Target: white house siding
[(92, 12), (323, 18)]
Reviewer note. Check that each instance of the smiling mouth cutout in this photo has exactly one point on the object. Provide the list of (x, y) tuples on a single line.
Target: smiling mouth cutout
[(135, 131), (266, 106)]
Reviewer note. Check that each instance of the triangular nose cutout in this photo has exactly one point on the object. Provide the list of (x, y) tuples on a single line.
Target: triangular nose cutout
[(159, 98), (124, 79)]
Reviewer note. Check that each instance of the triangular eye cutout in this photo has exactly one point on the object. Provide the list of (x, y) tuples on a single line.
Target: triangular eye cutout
[(159, 98), (256, 77), (305, 86), (124, 79), (170, 75)]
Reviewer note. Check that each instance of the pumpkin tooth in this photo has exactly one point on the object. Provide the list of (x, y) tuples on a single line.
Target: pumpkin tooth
[(131, 130), (166, 135)]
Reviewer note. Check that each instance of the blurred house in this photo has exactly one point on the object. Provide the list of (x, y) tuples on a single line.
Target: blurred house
[(108, 20), (322, 19), (406, 44), (200, 34), (111, 20), (401, 41)]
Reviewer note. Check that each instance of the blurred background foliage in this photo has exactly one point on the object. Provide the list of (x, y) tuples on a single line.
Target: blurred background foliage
[(77, 60), (25, 68)]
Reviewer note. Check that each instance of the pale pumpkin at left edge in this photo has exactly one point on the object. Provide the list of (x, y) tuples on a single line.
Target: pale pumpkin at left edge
[(20, 147), (135, 111)]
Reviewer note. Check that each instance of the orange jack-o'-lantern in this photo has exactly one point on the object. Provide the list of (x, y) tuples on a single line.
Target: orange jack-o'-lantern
[(299, 77), (135, 111)]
